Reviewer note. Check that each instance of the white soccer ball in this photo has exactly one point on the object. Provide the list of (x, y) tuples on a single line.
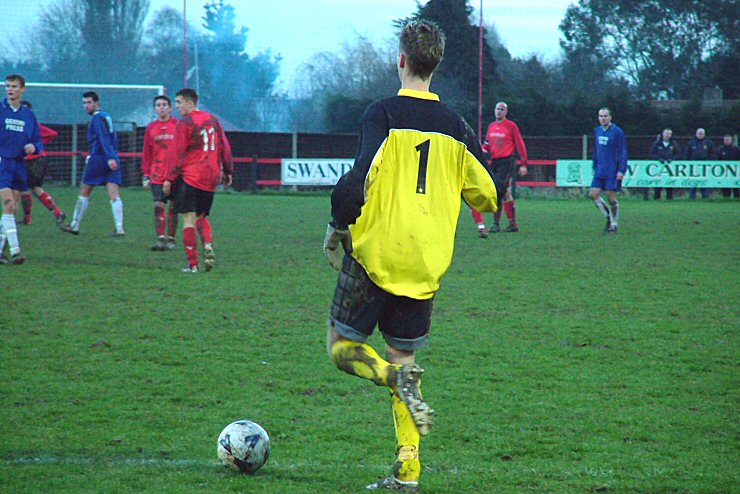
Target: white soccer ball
[(243, 446)]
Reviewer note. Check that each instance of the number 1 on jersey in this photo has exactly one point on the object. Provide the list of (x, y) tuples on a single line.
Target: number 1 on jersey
[(208, 136), (421, 179)]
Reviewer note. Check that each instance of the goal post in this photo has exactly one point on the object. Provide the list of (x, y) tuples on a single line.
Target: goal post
[(59, 105)]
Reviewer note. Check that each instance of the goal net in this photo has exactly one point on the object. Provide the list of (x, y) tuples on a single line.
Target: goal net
[(59, 106), (58, 103)]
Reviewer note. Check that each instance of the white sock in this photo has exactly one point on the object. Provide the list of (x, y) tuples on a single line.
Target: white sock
[(117, 206), (2, 238), (11, 233), (601, 206), (615, 213), (80, 208)]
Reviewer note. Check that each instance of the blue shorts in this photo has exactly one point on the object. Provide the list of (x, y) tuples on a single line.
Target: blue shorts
[(13, 174), (97, 172), (606, 184)]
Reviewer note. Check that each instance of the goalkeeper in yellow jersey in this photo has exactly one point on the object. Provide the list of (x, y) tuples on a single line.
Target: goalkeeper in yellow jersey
[(392, 236)]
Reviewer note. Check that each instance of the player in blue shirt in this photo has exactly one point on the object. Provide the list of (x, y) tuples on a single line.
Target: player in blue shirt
[(610, 164), (19, 135), (103, 165)]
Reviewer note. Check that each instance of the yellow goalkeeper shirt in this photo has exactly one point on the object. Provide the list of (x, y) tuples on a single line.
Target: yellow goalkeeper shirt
[(416, 159)]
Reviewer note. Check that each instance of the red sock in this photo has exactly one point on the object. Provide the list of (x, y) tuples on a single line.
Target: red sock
[(510, 212), (47, 201), (159, 220), (190, 241), (477, 217), (171, 221), (27, 202), (204, 230)]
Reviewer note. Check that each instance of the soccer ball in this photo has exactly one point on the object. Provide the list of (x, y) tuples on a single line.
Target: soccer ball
[(243, 446)]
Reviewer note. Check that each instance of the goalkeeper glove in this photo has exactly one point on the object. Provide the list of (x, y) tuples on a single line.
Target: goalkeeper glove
[(145, 182), (334, 237)]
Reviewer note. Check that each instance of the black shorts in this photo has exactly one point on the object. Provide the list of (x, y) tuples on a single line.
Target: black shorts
[(359, 305), (158, 193), (36, 172), (189, 199), (503, 169)]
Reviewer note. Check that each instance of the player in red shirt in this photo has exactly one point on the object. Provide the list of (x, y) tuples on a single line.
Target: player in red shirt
[(159, 153), (502, 138), (36, 164), (203, 158)]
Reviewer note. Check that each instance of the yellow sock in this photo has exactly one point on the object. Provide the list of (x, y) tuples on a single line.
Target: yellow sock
[(361, 360), (408, 466)]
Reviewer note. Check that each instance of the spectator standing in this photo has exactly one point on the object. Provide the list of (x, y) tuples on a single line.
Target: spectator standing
[(665, 149), (729, 151), (700, 149)]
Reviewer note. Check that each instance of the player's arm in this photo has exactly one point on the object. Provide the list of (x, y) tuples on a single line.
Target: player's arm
[(486, 146), (520, 148), (174, 167), (349, 193), (225, 157), (596, 145), (182, 135), (48, 135), (146, 157), (480, 190), (104, 129), (35, 144), (622, 156)]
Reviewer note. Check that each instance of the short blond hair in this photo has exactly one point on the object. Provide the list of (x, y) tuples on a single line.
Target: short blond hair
[(423, 42)]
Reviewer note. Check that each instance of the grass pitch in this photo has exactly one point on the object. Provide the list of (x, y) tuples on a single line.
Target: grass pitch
[(562, 360)]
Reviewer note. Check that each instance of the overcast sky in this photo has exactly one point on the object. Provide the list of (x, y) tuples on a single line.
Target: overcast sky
[(297, 29)]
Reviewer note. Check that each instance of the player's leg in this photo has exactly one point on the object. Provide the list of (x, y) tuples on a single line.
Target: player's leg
[(186, 204), (36, 170), (10, 230), (595, 194), (502, 169), (116, 205), (171, 224), (203, 226), (205, 232), (478, 218), (45, 198), (405, 326), (190, 241), (83, 202), (27, 204), (510, 210), (612, 195), (160, 223), (159, 216), (355, 310), (13, 180)]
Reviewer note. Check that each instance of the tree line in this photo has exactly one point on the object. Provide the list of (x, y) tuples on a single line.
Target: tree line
[(621, 54)]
